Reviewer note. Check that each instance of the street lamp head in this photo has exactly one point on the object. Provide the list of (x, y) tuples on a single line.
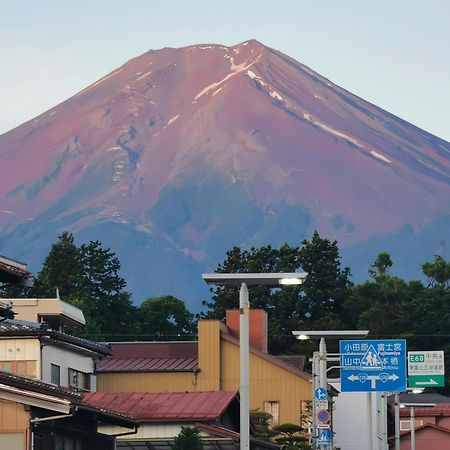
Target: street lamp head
[(417, 405), (330, 334), (268, 279), (415, 390)]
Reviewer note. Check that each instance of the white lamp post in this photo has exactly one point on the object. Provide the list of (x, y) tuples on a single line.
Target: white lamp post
[(412, 407), (243, 280), (321, 380)]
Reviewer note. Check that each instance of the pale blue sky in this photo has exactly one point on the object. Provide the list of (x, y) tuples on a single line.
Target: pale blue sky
[(394, 53)]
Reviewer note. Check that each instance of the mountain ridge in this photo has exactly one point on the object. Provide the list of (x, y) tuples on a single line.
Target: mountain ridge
[(197, 149)]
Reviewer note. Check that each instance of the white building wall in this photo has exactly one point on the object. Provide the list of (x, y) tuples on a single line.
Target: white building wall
[(350, 420), (66, 359), (155, 430)]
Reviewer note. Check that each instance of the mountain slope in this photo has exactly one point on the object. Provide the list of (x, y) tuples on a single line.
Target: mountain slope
[(187, 152)]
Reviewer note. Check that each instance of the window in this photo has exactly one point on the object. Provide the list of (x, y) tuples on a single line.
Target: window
[(55, 375), (272, 407), (79, 380), (405, 425)]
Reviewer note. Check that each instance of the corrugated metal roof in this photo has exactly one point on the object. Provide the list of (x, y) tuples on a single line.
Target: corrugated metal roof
[(160, 349), (147, 365), (156, 407), (151, 357)]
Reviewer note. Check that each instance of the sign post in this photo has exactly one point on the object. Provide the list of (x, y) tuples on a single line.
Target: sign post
[(426, 369), (373, 366)]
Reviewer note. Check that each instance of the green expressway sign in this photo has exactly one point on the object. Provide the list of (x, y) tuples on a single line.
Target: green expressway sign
[(426, 369)]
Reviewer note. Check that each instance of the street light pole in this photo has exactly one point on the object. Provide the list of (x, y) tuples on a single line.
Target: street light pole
[(243, 280), (244, 376), (397, 420), (413, 428)]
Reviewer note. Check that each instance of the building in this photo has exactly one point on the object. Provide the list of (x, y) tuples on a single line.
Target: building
[(40, 416), (34, 350), (14, 272), (161, 417), (432, 424), (210, 364)]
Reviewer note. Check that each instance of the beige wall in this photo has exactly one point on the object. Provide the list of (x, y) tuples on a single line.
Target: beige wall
[(26, 351), (13, 426), (268, 382)]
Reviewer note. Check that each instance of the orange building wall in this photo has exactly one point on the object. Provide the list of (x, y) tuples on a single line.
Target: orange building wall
[(268, 382), (209, 360)]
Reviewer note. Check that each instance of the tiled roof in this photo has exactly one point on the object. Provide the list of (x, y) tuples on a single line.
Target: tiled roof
[(422, 427), (75, 398), (12, 271), (151, 357), (34, 385), (23, 328), (155, 407), (425, 397)]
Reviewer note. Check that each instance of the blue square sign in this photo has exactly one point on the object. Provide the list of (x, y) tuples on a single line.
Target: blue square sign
[(371, 366)]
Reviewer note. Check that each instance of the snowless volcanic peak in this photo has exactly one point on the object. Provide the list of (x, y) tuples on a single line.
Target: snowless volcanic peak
[(185, 143)]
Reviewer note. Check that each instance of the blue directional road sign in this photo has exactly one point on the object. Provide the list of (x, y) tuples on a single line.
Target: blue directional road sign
[(321, 393), (370, 366), (324, 436)]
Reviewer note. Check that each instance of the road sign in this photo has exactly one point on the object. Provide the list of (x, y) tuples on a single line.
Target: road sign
[(324, 436), (323, 416), (321, 404), (426, 369), (321, 393), (375, 365)]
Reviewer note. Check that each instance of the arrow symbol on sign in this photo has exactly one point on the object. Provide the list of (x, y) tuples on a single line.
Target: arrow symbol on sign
[(422, 383), (373, 378)]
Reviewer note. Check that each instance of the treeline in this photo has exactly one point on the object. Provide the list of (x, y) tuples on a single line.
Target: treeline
[(87, 276), (390, 307)]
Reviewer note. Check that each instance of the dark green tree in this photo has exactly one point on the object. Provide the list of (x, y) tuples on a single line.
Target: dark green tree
[(380, 267), (260, 423), (381, 306), (327, 284), (437, 271), (88, 277), (315, 304), (188, 438), (291, 437), (166, 317), (62, 270)]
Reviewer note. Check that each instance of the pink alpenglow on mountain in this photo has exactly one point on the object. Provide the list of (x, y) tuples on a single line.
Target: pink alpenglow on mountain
[(180, 154)]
